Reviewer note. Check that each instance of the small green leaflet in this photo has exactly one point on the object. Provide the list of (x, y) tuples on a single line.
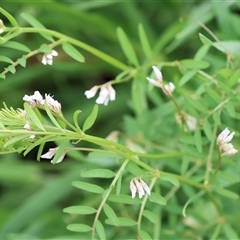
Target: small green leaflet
[(144, 42), (100, 230), (226, 193), (91, 118), (35, 23), (73, 52), (88, 187), (127, 47), (111, 214), (17, 46), (154, 197), (124, 222), (98, 173), (79, 228), (84, 210), (11, 19)]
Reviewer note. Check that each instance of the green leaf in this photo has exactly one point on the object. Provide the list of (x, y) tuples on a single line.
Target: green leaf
[(11, 19), (22, 61), (207, 129), (216, 118), (44, 48), (73, 52), (33, 116), (61, 151), (40, 150), (50, 115), (233, 79), (154, 197), (127, 47), (145, 235), (100, 230), (205, 40), (35, 23), (144, 42), (125, 199), (17, 46), (213, 94), (119, 183), (229, 232), (201, 53), (226, 193), (11, 69), (194, 64), (88, 187), (198, 140), (184, 165), (75, 119), (230, 109), (98, 173), (186, 77), (139, 96), (91, 118), (5, 59), (124, 222), (196, 104), (152, 217), (173, 180), (135, 170), (111, 214), (84, 210), (15, 139), (79, 228)]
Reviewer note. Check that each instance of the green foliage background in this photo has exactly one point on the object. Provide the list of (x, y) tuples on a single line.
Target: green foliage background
[(33, 193)]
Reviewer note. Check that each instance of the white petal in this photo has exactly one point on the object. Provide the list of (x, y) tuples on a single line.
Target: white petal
[(133, 189), (54, 53), (223, 135), (158, 73), (112, 93), (92, 92), (44, 60), (49, 61), (51, 152), (103, 97), (169, 88), (154, 82), (145, 187)]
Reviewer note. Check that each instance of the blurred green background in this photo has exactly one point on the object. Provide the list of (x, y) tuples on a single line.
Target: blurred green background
[(33, 193)]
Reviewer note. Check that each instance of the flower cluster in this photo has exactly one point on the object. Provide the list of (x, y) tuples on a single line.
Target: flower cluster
[(107, 93), (48, 57), (51, 153), (223, 142), (137, 185), (167, 88), (37, 100)]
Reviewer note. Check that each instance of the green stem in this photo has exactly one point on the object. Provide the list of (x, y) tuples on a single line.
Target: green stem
[(107, 194)]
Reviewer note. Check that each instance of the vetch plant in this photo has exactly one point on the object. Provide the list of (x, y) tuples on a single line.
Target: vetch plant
[(170, 139)]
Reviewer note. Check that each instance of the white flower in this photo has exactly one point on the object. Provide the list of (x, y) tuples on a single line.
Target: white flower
[(48, 57), (54, 105), (34, 99), (92, 92), (27, 126), (190, 121), (168, 88), (106, 93), (2, 27), (140, 187), (51, 153), (223, 142)]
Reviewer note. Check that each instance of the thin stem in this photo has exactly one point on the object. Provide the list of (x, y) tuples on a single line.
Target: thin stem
[(107, 194)]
